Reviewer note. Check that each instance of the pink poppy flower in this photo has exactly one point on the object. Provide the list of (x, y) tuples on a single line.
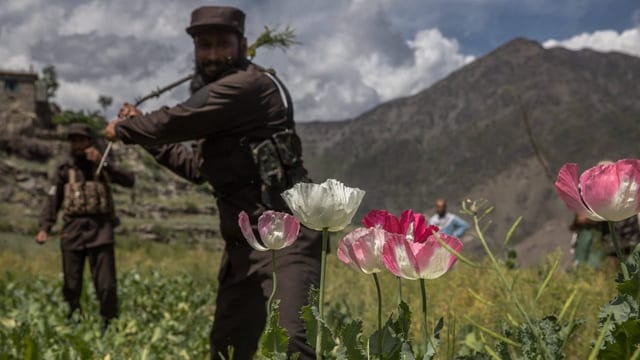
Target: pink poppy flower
[(607, 192), (414, 226), (361, 249), (277, 230), (382, 219), (411, 225), (420, 260)]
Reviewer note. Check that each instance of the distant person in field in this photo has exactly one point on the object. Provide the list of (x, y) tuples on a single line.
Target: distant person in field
[(88, 221), (588, 241), (628, 232), (241, 116), (448, 223)]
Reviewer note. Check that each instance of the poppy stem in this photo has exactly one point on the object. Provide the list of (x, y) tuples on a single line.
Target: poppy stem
[(616, 245), (399, 290), (509, 288), (275, 283), (425, 332), (375, 278), (323, 267)]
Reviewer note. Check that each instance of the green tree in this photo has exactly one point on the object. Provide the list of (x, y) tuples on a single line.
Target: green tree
[(93, 119), (105, 101), (50, 78)]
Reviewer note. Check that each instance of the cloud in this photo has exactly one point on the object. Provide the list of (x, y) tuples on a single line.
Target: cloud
[(95, 56), (354, 54), (364, 61), (627, 41)]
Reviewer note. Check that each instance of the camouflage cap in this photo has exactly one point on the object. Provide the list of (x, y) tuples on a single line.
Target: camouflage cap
[(80, 129), (216, 16)]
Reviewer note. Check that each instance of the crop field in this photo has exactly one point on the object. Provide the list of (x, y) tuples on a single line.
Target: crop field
[(167, 300)]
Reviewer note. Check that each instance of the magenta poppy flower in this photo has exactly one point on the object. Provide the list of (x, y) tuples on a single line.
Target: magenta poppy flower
[(361, 249), (607, 192), (277, 230), (382, 219), (420, 260), (412, 225)]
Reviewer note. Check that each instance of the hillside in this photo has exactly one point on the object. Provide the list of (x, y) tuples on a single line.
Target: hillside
[(461, 138), (162, 207), (464, 137)]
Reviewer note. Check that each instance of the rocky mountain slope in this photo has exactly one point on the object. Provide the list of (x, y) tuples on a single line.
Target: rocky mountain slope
[(162, 207), (464, 137)]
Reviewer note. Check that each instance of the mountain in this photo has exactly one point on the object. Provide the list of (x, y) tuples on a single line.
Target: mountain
[(464, 137)]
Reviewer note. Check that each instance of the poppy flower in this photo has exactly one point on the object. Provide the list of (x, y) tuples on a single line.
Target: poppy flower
[(420, 260), (277, 230), (330, 205), (361, 249), (606, 192)]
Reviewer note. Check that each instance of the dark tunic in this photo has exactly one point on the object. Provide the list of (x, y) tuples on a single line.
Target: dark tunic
[(86, 237), (243, 106), (81, 232)]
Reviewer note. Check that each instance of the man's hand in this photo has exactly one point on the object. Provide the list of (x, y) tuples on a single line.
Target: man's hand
[(42, 236), (127, 110), (110, 130), (93, 155)]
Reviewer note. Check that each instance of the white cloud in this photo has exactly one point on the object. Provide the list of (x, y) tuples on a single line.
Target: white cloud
[(627, 41), (354, 54), (143, 19), (363, 61), (434, 56)]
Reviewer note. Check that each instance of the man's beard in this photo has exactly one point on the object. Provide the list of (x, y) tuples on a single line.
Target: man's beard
[(79, 156), (221, 67)]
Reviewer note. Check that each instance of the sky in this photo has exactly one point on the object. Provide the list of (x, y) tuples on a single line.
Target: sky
[(352, 54)]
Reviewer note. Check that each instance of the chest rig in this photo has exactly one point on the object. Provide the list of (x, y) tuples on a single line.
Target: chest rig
[(82, 198), (278, 158), (270, 157)]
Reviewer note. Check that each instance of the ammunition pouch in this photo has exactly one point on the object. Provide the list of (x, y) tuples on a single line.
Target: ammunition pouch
[(279, 164), (86, 197)]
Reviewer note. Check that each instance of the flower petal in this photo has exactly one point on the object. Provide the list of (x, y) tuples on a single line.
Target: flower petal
[(567, 187), (345, 248), (432, 259), (382, 219), (278, 229), (611, 190), (367, 250), (329, 205), (413, 225), (398, 257), (247, 231)]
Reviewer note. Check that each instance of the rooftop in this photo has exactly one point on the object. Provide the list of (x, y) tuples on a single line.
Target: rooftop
[(18, 75)]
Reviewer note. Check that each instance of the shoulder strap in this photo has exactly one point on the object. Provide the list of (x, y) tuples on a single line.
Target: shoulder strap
[(284, 94)]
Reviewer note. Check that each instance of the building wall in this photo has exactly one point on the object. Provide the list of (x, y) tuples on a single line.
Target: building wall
[(18, 92)]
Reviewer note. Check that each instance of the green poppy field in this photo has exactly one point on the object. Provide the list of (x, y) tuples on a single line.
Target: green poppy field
[(167, 299)]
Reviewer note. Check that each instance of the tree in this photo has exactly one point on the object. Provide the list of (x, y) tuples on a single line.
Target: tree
[(91, 118), (50, 78), (105, 101)]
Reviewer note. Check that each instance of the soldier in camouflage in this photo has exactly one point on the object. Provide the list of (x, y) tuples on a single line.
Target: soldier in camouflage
[(88, 221)]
